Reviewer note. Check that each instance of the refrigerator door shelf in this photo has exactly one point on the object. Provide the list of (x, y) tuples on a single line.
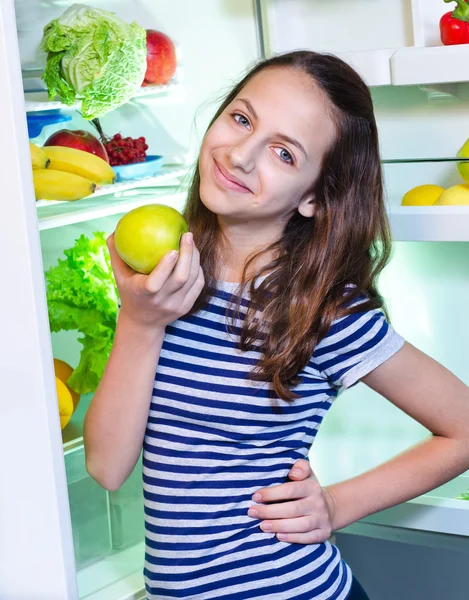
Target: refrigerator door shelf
[(430, 223), (426, 65), (373, 65)]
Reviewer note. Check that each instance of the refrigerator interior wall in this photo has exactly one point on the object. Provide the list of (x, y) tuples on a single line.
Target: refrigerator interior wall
[(423, 122), (339, 26), (426, 287)]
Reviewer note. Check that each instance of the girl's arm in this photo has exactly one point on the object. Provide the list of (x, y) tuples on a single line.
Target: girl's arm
[(423, 389), (433, 396), (115, 422), (116, 419)]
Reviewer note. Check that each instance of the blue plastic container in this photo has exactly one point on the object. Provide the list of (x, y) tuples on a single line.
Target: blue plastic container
[(151, 166), (38, 120)]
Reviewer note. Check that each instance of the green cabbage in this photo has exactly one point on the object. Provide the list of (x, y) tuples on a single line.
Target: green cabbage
[(82, 296), (94, 57)]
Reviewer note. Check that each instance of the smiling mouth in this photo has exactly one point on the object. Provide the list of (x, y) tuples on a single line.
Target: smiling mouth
[(224, 179)]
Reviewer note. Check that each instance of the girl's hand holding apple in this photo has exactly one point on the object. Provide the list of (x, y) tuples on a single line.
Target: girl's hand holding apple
[(167, 293)]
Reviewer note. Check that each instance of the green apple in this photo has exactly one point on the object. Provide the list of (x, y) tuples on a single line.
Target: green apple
[(463, 167), (145, 234)]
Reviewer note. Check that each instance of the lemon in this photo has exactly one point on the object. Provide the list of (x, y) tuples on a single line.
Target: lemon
[(422, 195), (463, 167), (65, 402), (63, 371), (455, 195)]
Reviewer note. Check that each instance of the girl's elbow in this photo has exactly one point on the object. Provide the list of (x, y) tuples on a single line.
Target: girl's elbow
[(104, 476)]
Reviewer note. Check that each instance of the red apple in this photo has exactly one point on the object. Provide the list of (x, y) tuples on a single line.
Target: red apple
[(79, 139), (161, 58)]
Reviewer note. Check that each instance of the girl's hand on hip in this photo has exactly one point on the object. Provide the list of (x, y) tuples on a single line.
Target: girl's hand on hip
[(167, 293), (306, 517)]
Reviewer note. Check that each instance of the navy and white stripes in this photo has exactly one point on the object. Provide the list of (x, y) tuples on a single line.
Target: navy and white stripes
[(214, 438)]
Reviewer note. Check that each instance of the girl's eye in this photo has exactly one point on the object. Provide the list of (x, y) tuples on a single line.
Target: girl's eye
[(241, 119), (284, 155)]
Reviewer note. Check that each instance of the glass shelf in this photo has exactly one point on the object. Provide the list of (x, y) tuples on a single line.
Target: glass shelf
[(397, 161), (38, 101), (115, 199), (36, 98)]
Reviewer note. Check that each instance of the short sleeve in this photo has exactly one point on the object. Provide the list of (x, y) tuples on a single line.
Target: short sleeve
[(355, 345)]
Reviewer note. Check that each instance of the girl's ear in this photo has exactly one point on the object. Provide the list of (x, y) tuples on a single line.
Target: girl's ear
[(307, 207)]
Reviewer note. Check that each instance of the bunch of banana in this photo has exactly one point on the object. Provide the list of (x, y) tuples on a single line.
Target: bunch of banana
[(62, 173), (38, 159), (80, 163), (50, 184)]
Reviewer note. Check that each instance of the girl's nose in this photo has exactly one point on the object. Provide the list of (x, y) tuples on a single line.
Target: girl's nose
[(242, 156)]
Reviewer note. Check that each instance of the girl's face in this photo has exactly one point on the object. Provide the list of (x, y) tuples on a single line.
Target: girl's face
[(261, 157)]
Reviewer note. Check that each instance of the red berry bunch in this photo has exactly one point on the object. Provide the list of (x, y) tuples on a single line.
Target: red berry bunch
[(125, 151)]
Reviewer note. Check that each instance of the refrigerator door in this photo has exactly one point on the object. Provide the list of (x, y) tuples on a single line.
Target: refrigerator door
[(36, 548)]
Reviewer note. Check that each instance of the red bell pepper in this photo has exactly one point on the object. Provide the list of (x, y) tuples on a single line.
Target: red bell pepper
[(454, 26)]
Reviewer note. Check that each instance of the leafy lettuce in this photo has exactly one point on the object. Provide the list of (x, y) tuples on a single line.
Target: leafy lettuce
[(82, 295), (94, 56)]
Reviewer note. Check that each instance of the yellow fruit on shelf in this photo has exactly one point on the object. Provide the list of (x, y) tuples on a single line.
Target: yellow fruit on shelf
[(463, 167), (456, 195), (80, 163), (50, 184), (63, 372), (65, 402), (422, 195), (38, 159)]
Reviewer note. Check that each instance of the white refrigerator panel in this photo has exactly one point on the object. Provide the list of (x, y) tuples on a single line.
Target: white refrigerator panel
[(35, 535)]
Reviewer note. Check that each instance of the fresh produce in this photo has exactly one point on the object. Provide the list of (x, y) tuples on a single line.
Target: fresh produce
[(38, 159), (65, 401), (95, 57), (82, 296), (455, 195), (145, 234), (80, 163), (454, 26), (50, 184), (63, 371), (161, 58), (463, 167), (125, 151), (78, 139), (465, 495), (122, 151), (422, 195)]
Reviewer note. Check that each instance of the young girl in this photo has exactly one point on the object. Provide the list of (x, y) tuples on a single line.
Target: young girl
[(269, 309)]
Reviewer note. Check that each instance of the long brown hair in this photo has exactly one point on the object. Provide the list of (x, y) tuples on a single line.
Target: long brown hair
[(347, 241)]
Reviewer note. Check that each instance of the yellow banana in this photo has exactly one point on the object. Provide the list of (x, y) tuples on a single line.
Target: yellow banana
[(81, 163), (38, 159), (50, 184)]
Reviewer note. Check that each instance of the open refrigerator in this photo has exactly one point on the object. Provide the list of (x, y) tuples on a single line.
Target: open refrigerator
[(63, 537)]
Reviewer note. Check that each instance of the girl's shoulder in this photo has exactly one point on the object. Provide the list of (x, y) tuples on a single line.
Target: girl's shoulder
[(356, 344)]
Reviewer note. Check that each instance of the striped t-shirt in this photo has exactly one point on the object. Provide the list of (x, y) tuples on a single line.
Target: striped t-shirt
[(215, 437)]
